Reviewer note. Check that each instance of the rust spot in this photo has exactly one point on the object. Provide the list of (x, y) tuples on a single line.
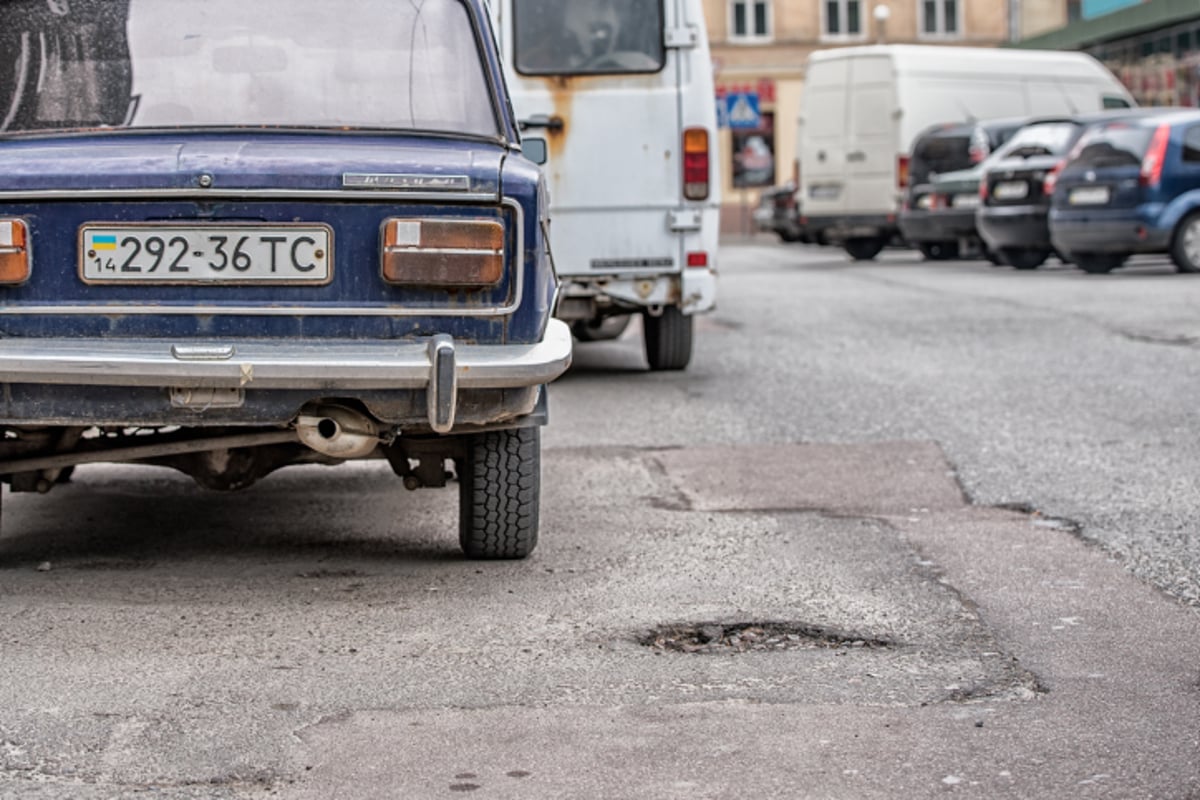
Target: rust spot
[(562, 94)]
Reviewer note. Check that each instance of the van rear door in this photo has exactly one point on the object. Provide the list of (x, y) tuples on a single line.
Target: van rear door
[(603, 83), (823, 138)]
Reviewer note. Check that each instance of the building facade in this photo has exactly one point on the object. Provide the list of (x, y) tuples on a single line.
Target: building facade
[(760, 48), (1153, 46)]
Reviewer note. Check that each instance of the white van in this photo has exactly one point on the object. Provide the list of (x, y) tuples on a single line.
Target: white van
[(863, 108), (622, 93)]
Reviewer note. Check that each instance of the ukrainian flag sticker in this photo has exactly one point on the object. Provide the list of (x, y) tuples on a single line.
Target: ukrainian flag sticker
[(104, 242)]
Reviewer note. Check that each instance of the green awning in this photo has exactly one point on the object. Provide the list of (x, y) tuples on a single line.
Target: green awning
[(1117, 25)]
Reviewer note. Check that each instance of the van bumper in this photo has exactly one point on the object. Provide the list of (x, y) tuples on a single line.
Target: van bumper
[(852, 226)]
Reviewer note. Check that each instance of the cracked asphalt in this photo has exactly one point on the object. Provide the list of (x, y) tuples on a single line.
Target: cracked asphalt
[(982, 476)]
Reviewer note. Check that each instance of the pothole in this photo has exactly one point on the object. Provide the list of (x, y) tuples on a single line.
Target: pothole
[(747, 637)]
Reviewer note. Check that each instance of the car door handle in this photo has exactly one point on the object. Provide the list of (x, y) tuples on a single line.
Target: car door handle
[(856, 156), (554, 123)]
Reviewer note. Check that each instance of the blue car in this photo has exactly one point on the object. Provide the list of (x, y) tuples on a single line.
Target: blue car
[(240, 236), (1131, 186)]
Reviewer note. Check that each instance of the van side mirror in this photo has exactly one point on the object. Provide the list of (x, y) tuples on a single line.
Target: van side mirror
[(535, 150)]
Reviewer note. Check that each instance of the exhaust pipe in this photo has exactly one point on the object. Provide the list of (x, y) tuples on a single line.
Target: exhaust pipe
[(337, 431)]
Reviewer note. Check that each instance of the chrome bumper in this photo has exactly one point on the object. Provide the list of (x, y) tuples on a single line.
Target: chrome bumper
[(439, 365)]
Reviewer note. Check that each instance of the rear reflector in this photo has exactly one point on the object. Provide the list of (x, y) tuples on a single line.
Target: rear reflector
[(443, 253), (14, 251), (902, 172), (697, 259), (695, 164)]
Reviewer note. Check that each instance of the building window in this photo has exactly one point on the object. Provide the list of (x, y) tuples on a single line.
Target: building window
[(940, 18), (749, 20), (842, 19)]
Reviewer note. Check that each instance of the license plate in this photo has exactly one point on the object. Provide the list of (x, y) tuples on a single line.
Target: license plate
[(1011, 190), (824, 191), (966, 201), (1088, 196), (206, 254)]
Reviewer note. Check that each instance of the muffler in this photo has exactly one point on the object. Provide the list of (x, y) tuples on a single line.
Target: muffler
[(337, 431)]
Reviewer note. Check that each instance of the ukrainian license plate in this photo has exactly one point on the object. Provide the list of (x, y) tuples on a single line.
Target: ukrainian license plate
[(1088, 196), (966, 201), (1011, 190), (206, 254)]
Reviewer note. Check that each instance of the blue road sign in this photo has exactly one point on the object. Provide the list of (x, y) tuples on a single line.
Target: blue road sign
[(741, 110)]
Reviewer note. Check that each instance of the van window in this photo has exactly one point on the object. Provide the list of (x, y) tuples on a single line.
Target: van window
[(588, 37)]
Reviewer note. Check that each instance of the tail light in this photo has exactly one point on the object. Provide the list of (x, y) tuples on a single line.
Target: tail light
[(902, 171), (1156, 154), (697, 259), (695, 164), (1051, 179), (983, 188), (14, 251), (443, 253)]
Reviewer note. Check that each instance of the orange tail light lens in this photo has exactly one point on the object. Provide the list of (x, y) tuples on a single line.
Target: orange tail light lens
[(695, 164), (14, 251), (443, 253)]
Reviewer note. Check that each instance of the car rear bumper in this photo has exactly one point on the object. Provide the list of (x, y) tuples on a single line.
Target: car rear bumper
[(1014, 226), (952, 224), (1119, 231), (143, 381)]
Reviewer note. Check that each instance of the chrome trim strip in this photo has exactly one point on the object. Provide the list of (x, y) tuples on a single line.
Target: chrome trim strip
[(310, 311), (242, 194), (321, 366)]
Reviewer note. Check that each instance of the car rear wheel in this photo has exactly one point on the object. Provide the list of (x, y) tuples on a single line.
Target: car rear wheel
[(938, 251), (1024, 257), (864, 248), (668, 339), (1098, 263), (499, 494), (1185, 252)]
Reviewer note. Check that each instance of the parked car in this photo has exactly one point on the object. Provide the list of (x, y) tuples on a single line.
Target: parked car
[(1014, 216), (863, 108), (938, 213), (238, 257), (778, 211), (1131, 186)]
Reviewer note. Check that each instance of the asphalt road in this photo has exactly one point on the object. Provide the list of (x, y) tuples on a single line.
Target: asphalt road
[(901, 530)]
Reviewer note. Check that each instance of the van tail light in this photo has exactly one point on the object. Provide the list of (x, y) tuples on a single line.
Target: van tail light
[(902, 172), (695, 164), (14, 251), (1051, 179), (1156, 154), (443, 253), (697, 259)]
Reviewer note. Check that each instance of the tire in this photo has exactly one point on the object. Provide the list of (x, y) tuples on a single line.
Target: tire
[(1024, 257), (668, 339), (938, 251), (601, 330), (1185, 250), (499, 494), (865, 248), (789, 237), (1098, 263)]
